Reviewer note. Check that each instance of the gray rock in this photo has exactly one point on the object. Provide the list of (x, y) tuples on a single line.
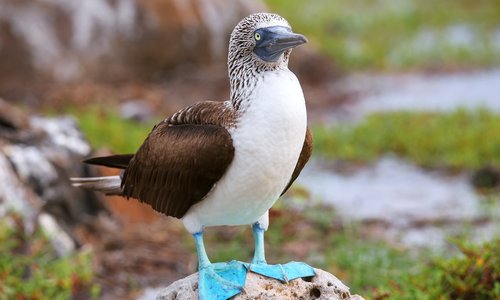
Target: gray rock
[(70, 40), (37, 157), (322, 286)]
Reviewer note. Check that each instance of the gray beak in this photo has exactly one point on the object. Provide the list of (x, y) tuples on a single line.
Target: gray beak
[(274, 41)]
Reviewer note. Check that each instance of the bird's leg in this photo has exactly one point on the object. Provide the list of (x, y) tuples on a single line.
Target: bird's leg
[(203, 260), (286, 272), (218, 281), (259, 256)]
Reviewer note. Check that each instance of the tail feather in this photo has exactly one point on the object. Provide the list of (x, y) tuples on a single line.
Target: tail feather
[(119, 161), (109, 185)]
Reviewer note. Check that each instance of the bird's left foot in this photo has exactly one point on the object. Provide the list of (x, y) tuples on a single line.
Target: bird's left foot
[(284, 273)]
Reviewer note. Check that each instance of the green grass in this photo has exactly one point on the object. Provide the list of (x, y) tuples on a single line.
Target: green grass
[(394, 34), (105, 128), (460, 139), (30, 269), (472, 274)]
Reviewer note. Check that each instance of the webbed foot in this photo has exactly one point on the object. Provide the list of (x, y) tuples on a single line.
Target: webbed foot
[(221, 281), (285, 272)]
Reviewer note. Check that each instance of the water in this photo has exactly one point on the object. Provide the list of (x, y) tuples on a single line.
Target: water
[(416, 207), (419, 92)]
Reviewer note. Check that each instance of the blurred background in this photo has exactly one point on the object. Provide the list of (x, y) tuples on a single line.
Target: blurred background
[(400, 199)]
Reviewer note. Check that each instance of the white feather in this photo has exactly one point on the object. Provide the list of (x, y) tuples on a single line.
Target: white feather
[(110, 185)]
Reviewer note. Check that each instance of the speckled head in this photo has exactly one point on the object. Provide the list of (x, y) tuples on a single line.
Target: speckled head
[(262, 41)]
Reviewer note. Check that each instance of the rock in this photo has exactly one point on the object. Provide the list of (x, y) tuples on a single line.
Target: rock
[(80, 51), (37, 157), (68, 40), (322, 286)]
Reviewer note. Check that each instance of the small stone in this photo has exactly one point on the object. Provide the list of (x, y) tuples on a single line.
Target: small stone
[(322, 286)]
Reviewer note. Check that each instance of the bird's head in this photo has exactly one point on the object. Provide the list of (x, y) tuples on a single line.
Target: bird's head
[(262, 41)]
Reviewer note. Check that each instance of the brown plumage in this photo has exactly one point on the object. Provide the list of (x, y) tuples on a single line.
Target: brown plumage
[(119, 161), (177, 166), (182, 158)]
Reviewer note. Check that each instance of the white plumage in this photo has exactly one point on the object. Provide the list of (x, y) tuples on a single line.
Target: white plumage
[(267, 139)]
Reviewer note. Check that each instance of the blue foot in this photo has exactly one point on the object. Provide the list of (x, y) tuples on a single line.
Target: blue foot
[(285, 273), (221, 281)]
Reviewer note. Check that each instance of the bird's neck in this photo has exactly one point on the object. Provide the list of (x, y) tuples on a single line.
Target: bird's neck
[(242, 83), (243, 79)]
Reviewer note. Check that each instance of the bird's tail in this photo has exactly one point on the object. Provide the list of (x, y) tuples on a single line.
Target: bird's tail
[(109, 185)]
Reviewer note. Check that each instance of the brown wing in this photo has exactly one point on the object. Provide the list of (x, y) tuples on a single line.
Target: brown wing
[(305, 154), (177, 166), (181, 160)]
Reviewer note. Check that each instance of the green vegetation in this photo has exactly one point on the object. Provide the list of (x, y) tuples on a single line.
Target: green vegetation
[(101, 128), (460, 139), (474, 274), (394, 34), (30, 269)]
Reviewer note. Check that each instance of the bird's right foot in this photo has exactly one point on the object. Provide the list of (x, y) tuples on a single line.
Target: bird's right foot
[(221, 281)]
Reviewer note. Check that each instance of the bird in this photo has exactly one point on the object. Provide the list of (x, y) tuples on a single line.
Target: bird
[(226, 163)]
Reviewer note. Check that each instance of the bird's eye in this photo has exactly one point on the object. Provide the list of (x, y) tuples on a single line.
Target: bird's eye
[(257, 36)]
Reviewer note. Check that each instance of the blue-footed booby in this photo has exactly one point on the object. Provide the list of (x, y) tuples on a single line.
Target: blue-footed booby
[(226, 163)]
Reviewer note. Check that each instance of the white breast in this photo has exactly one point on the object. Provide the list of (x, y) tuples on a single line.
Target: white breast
[(267, 140)]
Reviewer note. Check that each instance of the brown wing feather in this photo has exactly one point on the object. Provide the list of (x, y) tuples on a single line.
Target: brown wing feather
[(305, 154), (177, 165)]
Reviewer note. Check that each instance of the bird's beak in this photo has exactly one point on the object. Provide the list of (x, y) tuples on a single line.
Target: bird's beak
[(275, 40)]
